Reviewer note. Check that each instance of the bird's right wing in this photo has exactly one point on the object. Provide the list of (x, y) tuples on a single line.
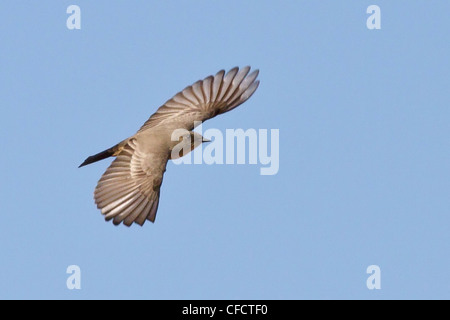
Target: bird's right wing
[(129, 189), (205, 99)]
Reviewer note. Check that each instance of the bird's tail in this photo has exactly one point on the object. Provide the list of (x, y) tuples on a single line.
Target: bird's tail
[(113, 151)]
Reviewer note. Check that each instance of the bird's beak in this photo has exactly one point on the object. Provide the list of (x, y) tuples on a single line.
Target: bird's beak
[(206, 140)]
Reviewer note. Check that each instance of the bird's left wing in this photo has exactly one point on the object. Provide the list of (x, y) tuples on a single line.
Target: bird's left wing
[(205, 99), (129, 189)]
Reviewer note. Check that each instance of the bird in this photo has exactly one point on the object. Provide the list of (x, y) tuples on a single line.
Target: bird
[(129, 190)]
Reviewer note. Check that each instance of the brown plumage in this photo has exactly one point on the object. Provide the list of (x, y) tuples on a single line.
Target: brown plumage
[(129, 189)]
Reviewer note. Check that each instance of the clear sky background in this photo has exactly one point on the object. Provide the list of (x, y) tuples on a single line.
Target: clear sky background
[(364, 173)]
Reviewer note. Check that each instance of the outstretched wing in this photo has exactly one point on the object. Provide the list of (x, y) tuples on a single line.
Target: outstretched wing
[(205, 99), (129, 189)]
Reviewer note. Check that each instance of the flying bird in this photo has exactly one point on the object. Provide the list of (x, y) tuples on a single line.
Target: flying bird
[(128, 192)]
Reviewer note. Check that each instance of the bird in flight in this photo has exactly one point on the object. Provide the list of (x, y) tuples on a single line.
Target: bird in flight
[(128, 192)]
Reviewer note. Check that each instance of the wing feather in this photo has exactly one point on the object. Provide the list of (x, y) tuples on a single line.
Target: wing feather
[(205, 99), (217, 85), (128, 192)]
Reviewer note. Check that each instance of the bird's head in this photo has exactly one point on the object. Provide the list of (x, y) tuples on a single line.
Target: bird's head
[(196, 139), (186, 143)]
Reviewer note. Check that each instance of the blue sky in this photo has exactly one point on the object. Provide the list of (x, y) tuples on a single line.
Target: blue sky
[(364, 150)]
